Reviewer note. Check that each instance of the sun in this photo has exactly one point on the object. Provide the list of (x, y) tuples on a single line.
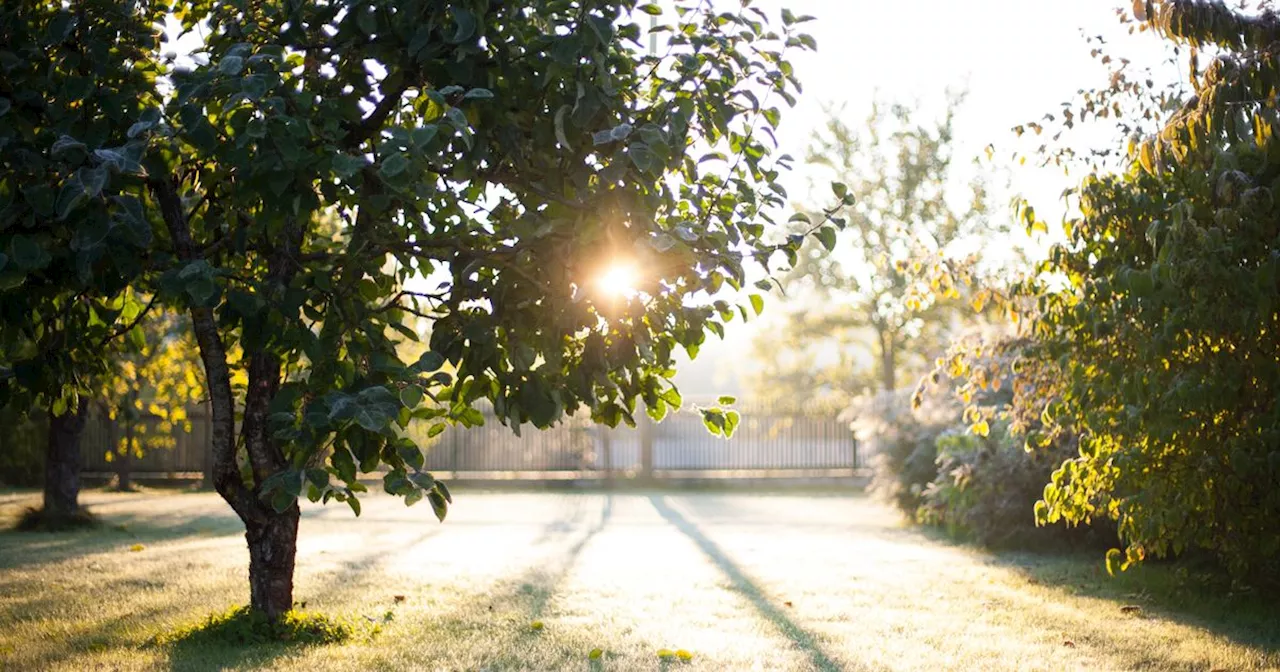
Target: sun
[(618, 279)]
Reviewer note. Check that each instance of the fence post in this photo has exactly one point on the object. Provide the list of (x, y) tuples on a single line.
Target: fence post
[(646, 447)]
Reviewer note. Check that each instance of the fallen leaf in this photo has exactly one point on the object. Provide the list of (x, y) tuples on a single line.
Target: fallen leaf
[(788, 604), (684, 655), (595, 654), (398, 598), (1130, 609), (666, 654), (536, 625), (136, 547), (1069, 644)]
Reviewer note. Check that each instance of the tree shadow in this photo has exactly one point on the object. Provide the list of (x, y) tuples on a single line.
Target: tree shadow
[(804, 640), (24, 549)]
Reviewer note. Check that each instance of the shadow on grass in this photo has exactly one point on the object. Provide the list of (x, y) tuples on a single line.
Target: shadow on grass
[(22, 549), (1171, 590), (799, 636), (1185, 592)]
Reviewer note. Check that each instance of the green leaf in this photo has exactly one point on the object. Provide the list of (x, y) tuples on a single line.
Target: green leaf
[(731, 420), (393, 165), (423, 135), (92, 180), (827, 236), (435, 430), (318, 477), (478, 94), (65, 145), (438, 505), (354, 504), (27, 254), (41, 199), (411, 396), (281, 500), (559, 127), (429, 361), (201, 290), (465, 25), (230, 65), (726, 400), (757, 303), (651, 9)]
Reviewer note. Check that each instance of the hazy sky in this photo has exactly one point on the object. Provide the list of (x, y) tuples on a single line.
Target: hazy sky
[(1017, 58)]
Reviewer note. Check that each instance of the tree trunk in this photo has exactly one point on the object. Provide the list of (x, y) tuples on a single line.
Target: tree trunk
[(272, 548), (888, 361), (62, 464)]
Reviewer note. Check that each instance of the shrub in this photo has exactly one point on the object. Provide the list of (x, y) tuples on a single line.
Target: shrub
[(901, 444), (987, 486)]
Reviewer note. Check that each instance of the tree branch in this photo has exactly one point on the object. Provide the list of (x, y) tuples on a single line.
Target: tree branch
[(226, 475), (134, 322)]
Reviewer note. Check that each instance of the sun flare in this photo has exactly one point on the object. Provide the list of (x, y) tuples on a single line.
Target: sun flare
[(619, 279)]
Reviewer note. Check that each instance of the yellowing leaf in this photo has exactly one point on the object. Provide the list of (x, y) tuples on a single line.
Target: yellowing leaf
[(666, 654), (536, 625), (684, 655), (136, 548), (980, 428), (595, 654)]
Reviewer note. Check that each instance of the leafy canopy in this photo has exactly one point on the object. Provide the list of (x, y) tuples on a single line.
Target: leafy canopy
[(319, 174)]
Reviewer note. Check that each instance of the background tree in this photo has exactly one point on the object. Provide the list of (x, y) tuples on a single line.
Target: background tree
[(871, 304), (67, 75), (513, 151)]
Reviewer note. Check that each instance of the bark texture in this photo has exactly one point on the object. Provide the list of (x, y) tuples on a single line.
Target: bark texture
[(62, 464), (272, 548)]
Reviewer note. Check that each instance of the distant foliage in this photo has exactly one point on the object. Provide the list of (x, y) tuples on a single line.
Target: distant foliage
[(871, 305), (154, 374)]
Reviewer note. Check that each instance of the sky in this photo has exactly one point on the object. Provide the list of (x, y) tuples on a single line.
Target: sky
[(1018, 59)]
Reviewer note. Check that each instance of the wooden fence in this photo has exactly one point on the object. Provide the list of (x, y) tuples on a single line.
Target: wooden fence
[(768, 442)]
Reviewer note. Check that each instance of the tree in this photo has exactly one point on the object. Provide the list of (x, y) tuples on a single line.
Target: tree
[(62, 278), (509, 151), (1152, 326), (871, 294)]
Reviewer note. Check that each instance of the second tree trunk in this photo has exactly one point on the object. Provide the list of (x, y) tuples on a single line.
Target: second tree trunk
[(62, 465)]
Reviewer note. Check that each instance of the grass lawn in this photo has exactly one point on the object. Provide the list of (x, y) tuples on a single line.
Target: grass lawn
[(744, 582)]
